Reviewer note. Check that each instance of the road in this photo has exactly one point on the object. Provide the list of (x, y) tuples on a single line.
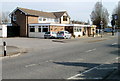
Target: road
[(56, 60)]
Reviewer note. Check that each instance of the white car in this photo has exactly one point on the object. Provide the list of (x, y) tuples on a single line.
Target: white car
[(64, 35), (50, 35)]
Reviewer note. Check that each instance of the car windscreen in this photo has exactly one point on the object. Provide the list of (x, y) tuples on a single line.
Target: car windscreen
[(60, 32), (53, 33), (47, 33)]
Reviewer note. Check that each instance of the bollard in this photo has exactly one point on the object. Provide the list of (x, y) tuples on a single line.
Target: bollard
[(4, 44)]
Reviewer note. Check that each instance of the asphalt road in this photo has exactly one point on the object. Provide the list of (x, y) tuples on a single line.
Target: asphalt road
[(54, 60)]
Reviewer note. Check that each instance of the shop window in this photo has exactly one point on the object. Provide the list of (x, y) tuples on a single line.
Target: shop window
[(64, 18), (39, 29), (75, 30), (45, 28), (32, 29), (80, 30)]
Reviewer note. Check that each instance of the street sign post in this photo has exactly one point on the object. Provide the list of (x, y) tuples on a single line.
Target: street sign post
[(101, 23)]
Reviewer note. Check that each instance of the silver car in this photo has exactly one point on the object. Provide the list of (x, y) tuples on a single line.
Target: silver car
[(64, 35), (48, 35)]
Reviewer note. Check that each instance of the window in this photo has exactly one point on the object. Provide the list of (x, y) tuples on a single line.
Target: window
[(75, 29), (64, 18), (45, 28), (80, 30), (40, 19), (55, 20), (39, 29), (32, 29), (44, 19), (14, 17)]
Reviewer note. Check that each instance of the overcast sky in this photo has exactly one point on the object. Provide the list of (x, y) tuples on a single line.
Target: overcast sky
[(77, 9)]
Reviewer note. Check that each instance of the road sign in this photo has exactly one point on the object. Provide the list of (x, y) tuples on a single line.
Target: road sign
[(101, 22)]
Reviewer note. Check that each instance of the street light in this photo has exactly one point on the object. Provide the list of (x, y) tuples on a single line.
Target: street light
[(101, 22)]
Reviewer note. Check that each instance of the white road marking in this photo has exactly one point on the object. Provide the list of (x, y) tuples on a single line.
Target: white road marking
[(94, 49), (114, 43), (73, 77), (30, 65), (109, 68), (117, 57), (91, 50)]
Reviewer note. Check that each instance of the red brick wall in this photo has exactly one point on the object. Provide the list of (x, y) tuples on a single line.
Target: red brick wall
[(32, 19), (20, 21)]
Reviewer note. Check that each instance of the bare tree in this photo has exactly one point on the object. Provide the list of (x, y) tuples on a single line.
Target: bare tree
[(0, 17), (5, 17), (99, 14), (78, 22), (117, 11)]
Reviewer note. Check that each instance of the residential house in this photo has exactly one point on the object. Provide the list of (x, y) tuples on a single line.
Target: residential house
[(22, 17)]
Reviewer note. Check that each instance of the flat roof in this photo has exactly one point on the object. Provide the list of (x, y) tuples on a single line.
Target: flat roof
[(52, 24)]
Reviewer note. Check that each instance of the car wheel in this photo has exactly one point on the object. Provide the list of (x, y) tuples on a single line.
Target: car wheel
[(65, 37), (44, 37)]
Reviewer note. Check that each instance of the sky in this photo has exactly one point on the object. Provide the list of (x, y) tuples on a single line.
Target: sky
[(77, 9)]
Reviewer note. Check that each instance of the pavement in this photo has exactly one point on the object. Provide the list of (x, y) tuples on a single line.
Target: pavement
[(115, 75), (103, 71), (11, 50), (96, 38)]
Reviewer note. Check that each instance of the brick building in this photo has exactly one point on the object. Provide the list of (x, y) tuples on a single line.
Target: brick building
[(33, 23)]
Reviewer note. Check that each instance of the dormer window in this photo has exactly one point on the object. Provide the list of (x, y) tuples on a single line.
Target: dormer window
[(64, 18), (14, 17), (40, 19), (44, 19)]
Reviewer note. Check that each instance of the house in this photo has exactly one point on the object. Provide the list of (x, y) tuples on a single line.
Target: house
[(33, 23), (22, 17)]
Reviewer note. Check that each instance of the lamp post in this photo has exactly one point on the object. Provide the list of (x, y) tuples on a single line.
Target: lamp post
[(101, 22)]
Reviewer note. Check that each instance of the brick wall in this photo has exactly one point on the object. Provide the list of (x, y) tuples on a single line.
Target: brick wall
[(32, 19), (20, 21)]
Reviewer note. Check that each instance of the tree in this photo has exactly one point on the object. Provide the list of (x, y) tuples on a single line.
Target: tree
[(78, 22), (0, 17), (117, 11), (99, 14), (5, 17)]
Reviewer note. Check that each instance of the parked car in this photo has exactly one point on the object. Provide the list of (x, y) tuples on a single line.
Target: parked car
[(48, 35), (108, 30), (64, 35)]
